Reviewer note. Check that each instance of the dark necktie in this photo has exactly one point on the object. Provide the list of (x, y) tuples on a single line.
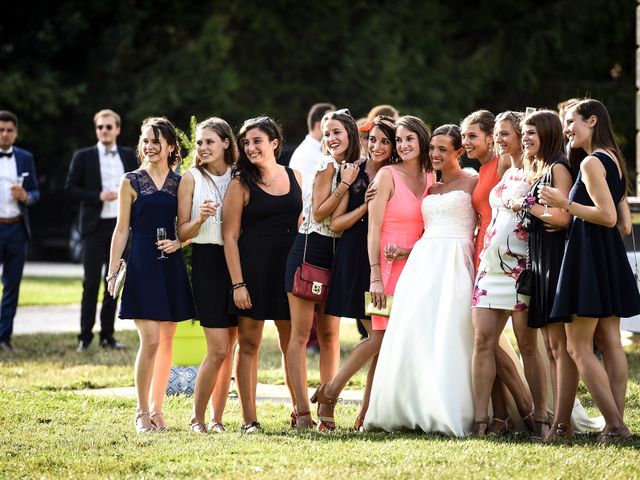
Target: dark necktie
[(6, 154)]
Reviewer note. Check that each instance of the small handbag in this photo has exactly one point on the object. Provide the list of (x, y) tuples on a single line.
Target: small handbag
[(524, 283), (311, 283), (121, 274), (371, 309)]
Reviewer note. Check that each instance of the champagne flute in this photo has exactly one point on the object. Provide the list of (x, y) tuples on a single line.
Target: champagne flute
[(389, 250), (544, 182), (161, 234)]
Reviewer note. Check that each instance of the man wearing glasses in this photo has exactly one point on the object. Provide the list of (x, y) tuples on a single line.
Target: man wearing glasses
[(93, 180), (18, 190)]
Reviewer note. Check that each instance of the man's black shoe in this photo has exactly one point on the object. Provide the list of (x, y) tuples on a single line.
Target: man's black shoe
[(6, 347), (111, 343), (82, 346)]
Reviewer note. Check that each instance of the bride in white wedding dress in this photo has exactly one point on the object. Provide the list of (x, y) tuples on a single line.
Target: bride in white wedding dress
[(423, 376)]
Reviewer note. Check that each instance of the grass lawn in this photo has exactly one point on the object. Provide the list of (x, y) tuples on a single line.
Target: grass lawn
[(49, 431), (50, 291)]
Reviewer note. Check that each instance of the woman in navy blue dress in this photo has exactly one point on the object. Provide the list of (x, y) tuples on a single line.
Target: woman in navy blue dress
[(156, 294), (596, 285)]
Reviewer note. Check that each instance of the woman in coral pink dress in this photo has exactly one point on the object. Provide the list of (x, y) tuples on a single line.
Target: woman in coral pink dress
[(395, 220)]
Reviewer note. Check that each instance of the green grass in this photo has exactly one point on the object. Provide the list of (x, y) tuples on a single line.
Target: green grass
[(49, 431), (50, 291)]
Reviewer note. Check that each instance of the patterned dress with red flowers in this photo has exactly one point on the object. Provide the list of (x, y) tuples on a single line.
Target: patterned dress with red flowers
[(504, 253)]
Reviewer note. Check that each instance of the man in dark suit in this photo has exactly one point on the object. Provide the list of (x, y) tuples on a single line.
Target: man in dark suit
[(93, 180), (18, 189)]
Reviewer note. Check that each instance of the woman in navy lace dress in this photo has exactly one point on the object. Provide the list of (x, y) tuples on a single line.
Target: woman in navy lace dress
[(596, 285), (156, 294)]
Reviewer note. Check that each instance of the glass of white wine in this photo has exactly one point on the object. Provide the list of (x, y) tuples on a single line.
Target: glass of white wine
[(161, 234)]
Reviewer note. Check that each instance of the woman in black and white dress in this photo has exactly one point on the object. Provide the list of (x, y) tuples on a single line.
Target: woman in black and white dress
[(200, 220)]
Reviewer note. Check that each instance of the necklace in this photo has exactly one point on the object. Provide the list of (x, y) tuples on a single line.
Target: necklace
[(270, 181)]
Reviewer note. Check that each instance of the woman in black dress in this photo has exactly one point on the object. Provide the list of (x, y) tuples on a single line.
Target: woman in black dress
[(261, 214), (157, 292), (596, 285), (350, 273), (545, 163)]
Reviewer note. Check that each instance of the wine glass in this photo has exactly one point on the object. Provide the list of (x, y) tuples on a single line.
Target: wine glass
[(389, 250), (544, 182), (161, 234)]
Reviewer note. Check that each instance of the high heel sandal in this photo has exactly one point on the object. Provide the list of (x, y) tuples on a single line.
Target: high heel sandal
[(619, 436), (560, 431), (216, 427), (198, 427), (325, 423), (480, 427), (539, 431), (528, 420), (504, 429), (157, 425), (139, 422)]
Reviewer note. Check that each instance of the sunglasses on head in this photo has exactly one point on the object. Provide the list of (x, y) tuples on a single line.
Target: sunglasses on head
[(108, 127)]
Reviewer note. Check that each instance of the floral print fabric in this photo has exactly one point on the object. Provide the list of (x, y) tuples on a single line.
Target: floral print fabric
[(504, 253)]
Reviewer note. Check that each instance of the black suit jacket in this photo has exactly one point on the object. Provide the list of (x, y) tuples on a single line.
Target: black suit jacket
[(84, 183)]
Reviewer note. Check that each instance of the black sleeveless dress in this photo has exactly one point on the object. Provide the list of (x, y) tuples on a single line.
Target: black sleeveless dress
[(268, 227), (596, 279), (546, 250), (350, 271)]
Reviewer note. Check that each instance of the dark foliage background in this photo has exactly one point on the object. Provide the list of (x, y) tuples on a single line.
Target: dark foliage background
[(62, 61)]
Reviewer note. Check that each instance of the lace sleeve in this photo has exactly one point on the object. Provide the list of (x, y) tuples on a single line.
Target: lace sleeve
[(133, 180)]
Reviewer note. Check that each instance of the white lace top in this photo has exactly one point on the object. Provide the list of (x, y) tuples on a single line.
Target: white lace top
[(308, 223)]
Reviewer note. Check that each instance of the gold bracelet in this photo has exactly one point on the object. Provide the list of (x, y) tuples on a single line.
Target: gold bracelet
[(338, 193), (566, 209)]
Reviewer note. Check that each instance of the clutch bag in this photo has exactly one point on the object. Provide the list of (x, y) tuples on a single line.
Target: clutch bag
[(120, 277), (371, 309)]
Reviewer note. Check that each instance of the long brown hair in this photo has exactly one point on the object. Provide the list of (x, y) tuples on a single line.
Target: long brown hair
[(549, 129), (247, 172), (603, 136), (417, 126), (223, 130), (162, 126)]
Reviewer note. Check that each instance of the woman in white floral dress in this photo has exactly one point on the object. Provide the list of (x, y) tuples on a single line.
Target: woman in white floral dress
[(503, 258)]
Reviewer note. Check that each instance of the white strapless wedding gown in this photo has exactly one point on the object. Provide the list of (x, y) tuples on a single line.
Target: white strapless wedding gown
[(423, 375)]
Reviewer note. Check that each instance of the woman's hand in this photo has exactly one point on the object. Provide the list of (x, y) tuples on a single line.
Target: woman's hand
[(241, 298), (553, 197), (169, 246), (515, 204), (111, 285), (348, 173), (370, 194), (376, 287), (401, 253), (208, 208)]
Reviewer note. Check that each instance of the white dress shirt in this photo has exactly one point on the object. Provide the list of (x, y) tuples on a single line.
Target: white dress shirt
[(111, 171), (8, 177), (306, 159)]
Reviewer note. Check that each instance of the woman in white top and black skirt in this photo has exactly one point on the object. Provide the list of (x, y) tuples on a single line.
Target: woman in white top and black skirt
[(315, 245), (200, 198)]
